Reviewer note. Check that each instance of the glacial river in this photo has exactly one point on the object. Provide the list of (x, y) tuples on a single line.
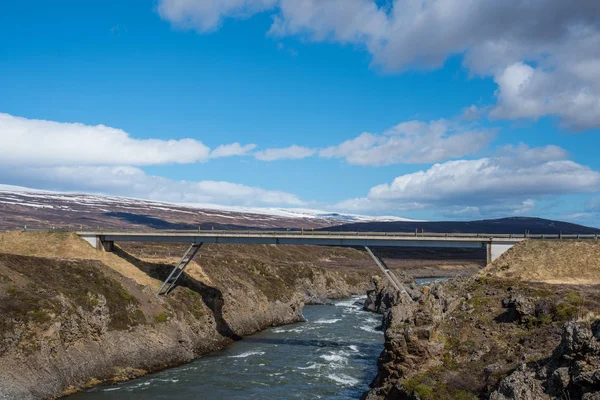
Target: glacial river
[(331, 356)]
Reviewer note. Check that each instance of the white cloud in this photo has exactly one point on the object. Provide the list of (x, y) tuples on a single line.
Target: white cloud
[(285, 153), (497, 38), (48, 143), (513, 178), (528, 92), (206, 16), (234, 149), (134, 182), (472, 112), (413, 142), (34, 142)]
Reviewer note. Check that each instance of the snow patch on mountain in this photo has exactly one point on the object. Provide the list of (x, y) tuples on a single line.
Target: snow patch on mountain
[(42, 198)]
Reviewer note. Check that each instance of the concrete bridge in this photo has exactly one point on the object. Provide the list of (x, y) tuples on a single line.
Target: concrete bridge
[(495, 244)]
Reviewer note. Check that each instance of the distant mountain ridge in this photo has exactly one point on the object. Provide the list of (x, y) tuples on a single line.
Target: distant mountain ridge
[(38, 209), (516, 225)]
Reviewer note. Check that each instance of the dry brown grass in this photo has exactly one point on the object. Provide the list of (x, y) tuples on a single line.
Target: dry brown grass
[(71, 247), (193, 270), (550, 261)]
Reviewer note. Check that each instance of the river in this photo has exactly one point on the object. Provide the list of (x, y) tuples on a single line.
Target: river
[(332, 355)]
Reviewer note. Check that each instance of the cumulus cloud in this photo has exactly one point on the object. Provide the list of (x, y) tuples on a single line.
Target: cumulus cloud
[(234, 149), (285, 153), (558, 41), (101, 159), (35, 142), (206, 16), (516, 176), (412, 142), (528, 92), (134, 182)]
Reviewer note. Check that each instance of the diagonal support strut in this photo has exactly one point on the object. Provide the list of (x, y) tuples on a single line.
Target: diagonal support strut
[(176, 273), (387, 272)]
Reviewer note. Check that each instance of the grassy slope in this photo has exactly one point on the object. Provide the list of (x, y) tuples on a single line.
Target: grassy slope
[(550, 261), (71, 247)]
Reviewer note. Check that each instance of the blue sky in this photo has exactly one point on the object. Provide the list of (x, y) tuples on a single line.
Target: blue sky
[(493, 121)]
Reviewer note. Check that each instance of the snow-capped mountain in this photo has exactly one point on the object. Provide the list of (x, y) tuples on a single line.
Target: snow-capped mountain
[(38, 209)]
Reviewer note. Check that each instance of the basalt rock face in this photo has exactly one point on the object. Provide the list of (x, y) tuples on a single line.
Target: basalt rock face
[(411, 344), (486, 338), (572, 371), (70, 324), (381, 298)]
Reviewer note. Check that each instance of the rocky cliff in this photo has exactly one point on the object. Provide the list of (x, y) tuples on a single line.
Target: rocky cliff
[(73, 317), (489, 338)]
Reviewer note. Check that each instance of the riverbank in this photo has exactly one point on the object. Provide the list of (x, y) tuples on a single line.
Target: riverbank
[(329, 356), (75, 317), (495, 336)]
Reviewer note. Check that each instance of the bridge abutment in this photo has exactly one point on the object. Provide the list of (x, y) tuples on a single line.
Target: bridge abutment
[(495, 250), (108, 246)]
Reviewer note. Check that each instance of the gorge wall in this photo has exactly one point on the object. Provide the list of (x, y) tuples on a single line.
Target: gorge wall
[(494, 336), (73, 317)]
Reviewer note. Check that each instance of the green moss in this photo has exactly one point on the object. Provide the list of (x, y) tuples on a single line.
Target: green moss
[(91, 302), (161, 318), (564, 311), (545, 319), (478, 302), (463, 395), (40, 316), (12, 290), (424, 392), (573, 298), (427, 387), (138, 317), (415, 385)]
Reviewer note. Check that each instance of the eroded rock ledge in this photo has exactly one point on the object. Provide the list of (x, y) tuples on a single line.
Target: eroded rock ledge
[(487, 338)]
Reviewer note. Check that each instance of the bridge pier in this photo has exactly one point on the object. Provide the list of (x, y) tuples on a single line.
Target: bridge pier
[(99, 243), (108, 246), (176, 273), (495, 249), (386, 271)]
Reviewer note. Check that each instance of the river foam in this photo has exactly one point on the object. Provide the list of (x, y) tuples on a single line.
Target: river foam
[(331, 356)]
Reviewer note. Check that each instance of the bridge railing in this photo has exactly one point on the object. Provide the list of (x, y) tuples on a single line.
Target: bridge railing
[(306, 232), (359, 234)]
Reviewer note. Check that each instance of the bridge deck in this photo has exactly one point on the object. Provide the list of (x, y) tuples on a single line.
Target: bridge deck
[(309, 237)]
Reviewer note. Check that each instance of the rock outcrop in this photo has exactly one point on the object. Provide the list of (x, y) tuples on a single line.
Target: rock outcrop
[(571, 372), (487, 338), (411, 338), (381, 298)]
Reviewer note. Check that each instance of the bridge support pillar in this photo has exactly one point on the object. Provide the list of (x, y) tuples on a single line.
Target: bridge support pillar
[(106, 246), (176, 273), (496, 249), (387, 272), (488, 248)]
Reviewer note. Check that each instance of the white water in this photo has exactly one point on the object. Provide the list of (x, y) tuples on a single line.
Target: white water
[(331, 356)]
